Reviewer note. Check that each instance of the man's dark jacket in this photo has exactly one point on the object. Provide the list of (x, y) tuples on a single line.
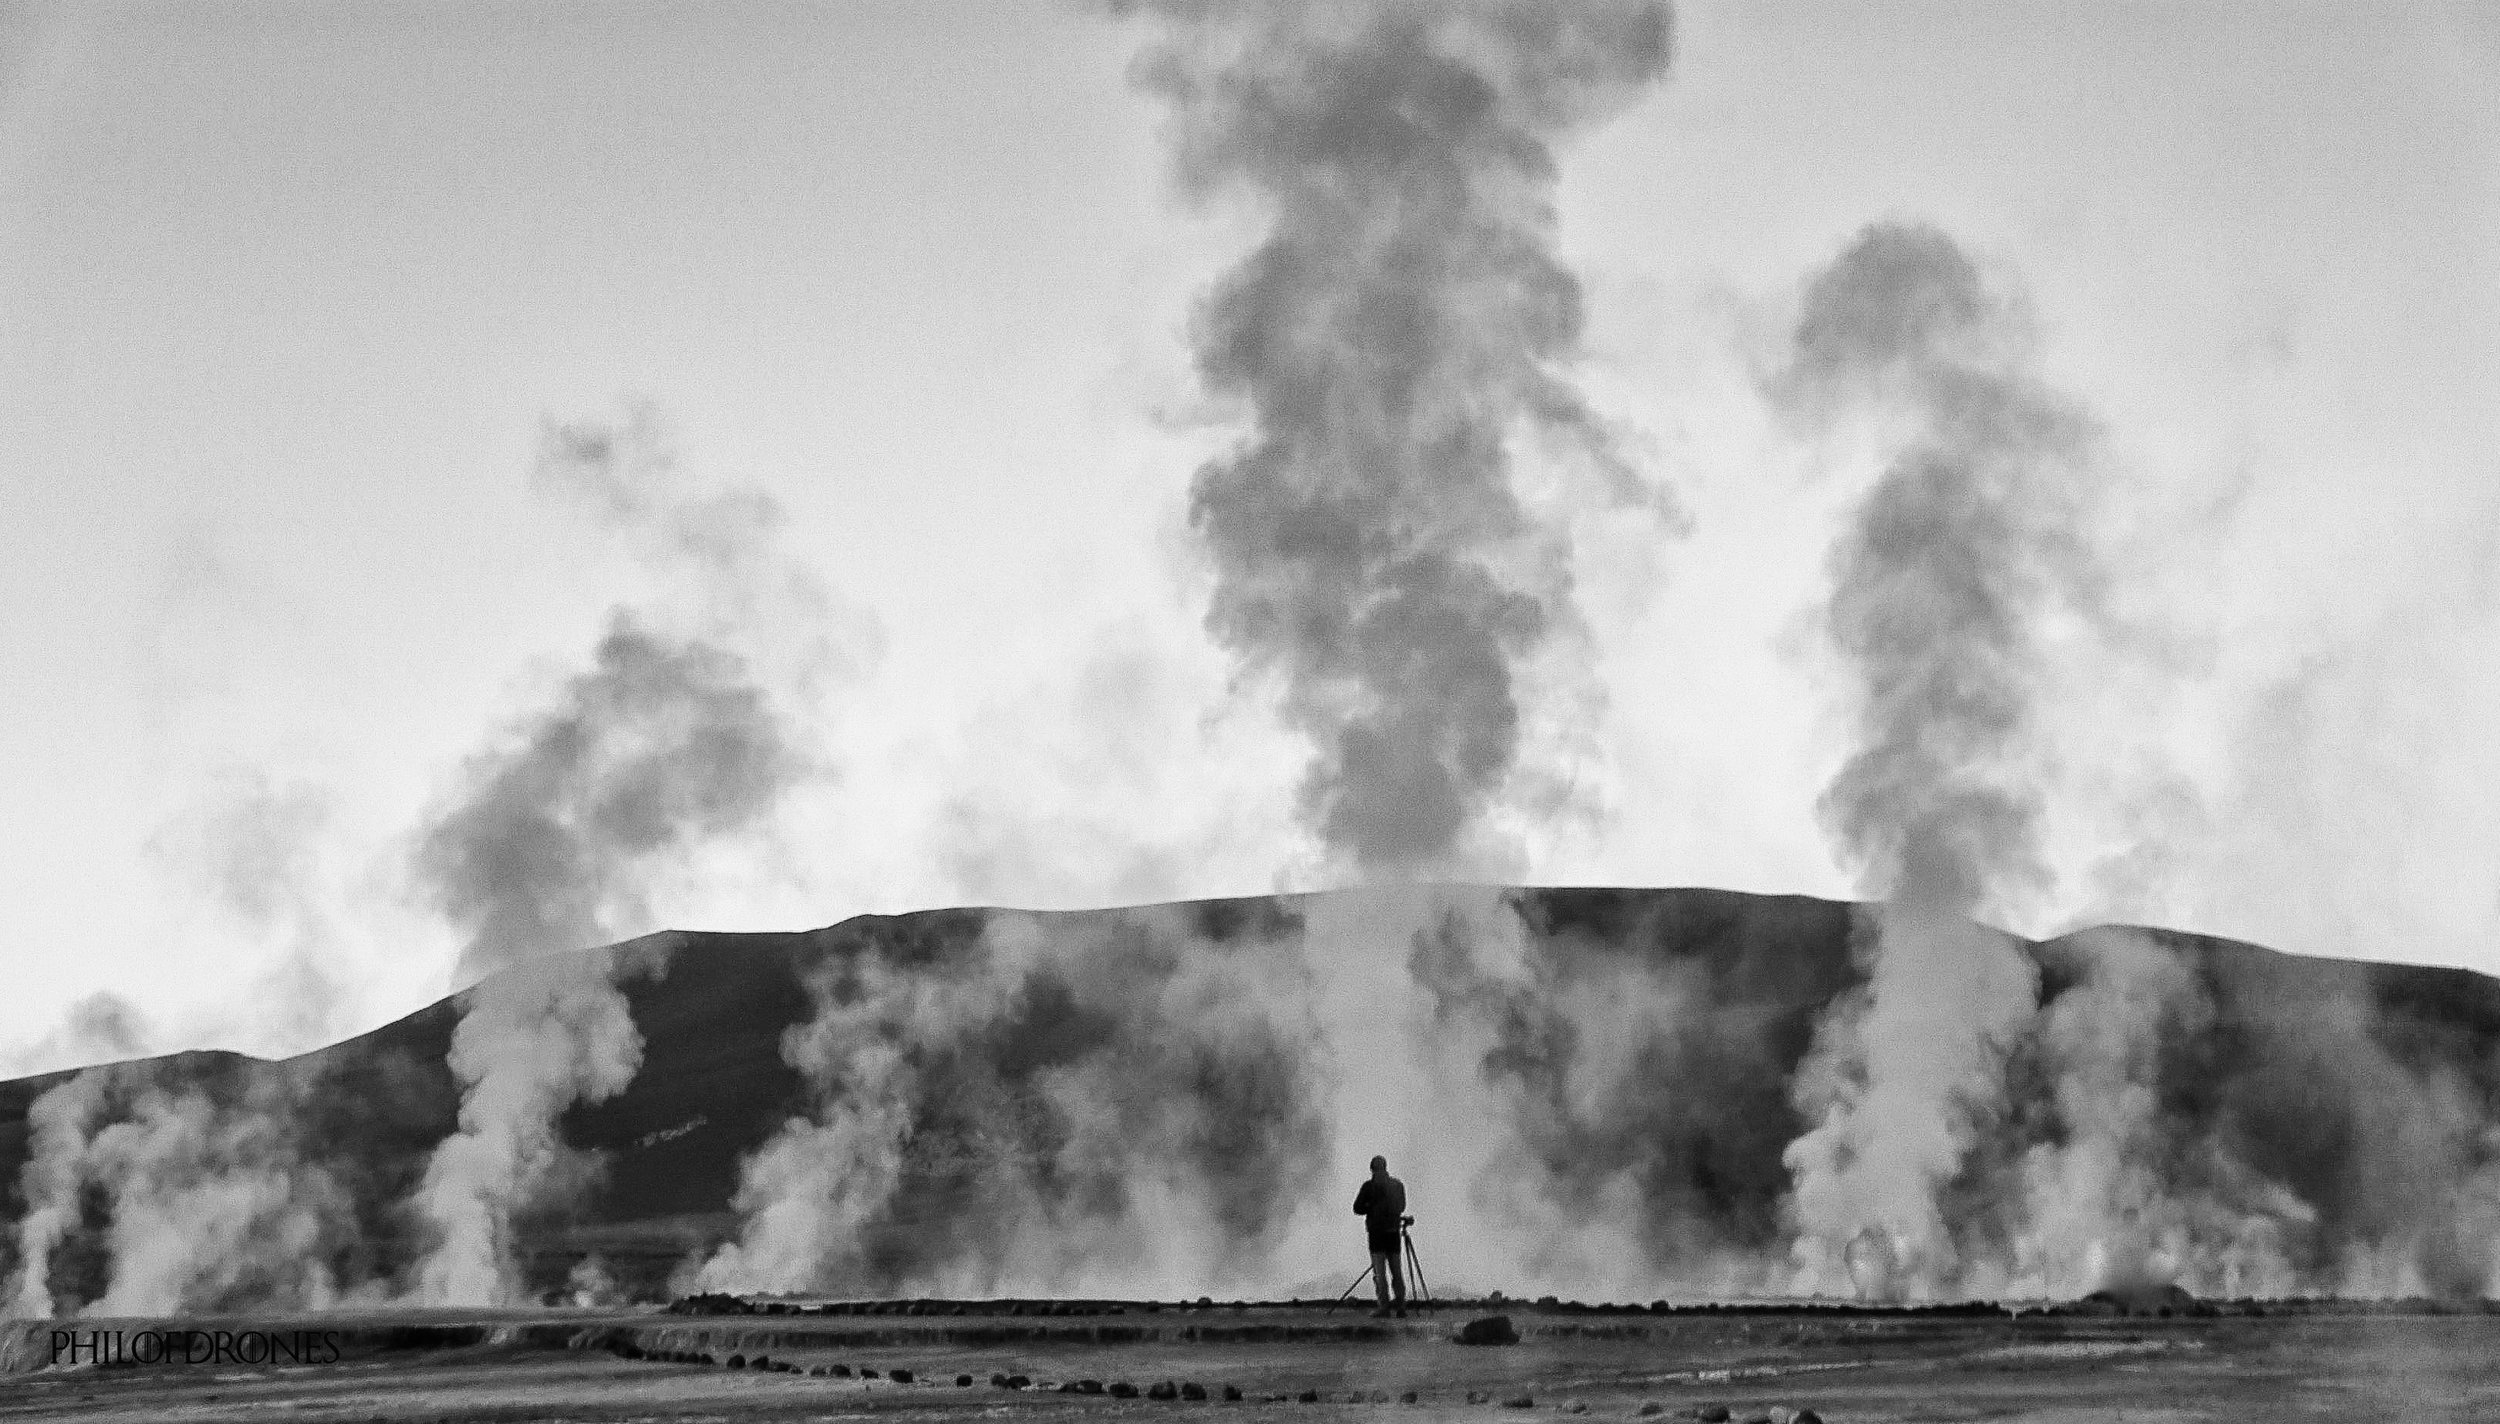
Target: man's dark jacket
[(1382, 1204)]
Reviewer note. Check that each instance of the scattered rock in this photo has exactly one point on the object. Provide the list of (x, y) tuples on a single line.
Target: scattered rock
[(1122, 1389), (1163, 1390), (1806, 1416), (867, 1373), (842, 1371), (998, 1380), (1650, 1407), (1491, 1330), (1308, 1396), (1193, 1391), (737, 1362), (899, 1376), (1519, 1401), (1019, 1381), (1380, 1396), (1711, 1414), (1477, 1396), (1232, 1394), (1576, 1406), (1407, 1398), (1089, 1386), (963, 1381), (2142, 1300), (760, 1362)]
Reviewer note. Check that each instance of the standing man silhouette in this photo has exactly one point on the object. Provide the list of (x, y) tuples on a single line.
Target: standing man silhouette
[(1381, 1202)]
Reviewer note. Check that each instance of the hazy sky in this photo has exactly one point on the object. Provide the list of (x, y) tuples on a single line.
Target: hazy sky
[(286, 291)]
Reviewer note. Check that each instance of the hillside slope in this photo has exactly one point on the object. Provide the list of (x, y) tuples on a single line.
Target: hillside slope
[(1623, 1058)]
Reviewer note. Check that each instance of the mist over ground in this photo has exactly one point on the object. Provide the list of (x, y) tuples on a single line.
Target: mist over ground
[(1601, 1094)]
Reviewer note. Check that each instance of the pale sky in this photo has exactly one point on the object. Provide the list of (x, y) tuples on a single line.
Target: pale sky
[(286, 290)]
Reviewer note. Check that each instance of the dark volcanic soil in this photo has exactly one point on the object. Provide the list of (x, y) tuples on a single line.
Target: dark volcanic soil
[(565, 1366)]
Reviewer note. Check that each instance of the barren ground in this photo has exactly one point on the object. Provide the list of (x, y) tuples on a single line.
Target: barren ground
[(563, 1365)]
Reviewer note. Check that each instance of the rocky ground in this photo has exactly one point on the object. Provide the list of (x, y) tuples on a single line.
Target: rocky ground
[(1245, 1363)]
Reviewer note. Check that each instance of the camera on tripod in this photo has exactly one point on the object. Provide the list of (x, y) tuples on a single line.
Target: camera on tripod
[(1414, 1270)]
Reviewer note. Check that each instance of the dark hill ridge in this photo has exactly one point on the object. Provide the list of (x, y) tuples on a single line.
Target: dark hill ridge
[(2356, 1090)]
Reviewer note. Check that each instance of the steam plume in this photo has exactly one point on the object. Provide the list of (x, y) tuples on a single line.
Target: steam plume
[(59, 1124), (668, 742), (1117, 1101), (1610, 1088), (1591, 1092), (1944, 591), (252, 844), (2128, 1193), (662, 743), (1405, 320), (98, 1028), (203, 1197)]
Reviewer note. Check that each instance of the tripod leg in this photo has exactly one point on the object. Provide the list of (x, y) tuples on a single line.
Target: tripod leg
[(1349, 1290), (1415, 1268)]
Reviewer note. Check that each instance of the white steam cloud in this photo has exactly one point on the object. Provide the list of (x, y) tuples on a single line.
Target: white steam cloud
[(1007, 1101), (1405, 323), (668, 743), (1945, 594), (252, 843), (207, 1199)]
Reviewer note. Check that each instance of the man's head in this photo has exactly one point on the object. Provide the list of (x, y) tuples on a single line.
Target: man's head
[(1380, 1166)]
